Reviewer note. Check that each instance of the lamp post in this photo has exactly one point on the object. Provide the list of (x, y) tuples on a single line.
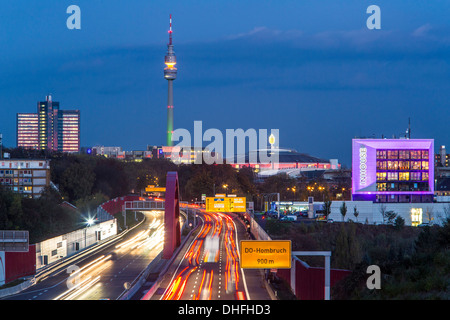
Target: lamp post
[(225, 186)]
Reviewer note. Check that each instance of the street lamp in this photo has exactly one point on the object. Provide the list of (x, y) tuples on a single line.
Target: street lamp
[(225, 186), (293, 190)]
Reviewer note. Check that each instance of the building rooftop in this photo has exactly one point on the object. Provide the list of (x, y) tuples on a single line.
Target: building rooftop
[(284, 156)]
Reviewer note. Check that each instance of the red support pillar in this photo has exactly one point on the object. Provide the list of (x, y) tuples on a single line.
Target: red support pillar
[(172, 233)]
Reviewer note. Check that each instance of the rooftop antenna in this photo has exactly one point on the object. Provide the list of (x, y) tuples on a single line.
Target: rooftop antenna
[(409, 128), (170, 30)]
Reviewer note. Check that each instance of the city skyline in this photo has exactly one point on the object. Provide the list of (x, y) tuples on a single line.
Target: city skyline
[(313, 71)]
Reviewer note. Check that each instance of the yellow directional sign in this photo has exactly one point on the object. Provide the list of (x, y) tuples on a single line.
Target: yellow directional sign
[(270, 254), (215, 204), (226, 204), (155, 189), (237, 204)]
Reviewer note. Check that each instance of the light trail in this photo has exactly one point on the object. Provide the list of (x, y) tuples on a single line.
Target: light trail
[(218, 230)]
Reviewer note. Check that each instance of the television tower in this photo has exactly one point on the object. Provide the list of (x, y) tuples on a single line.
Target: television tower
[(170, 73)]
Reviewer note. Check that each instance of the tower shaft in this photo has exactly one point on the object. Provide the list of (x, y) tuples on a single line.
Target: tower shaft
[(170, 74), (170, 114)]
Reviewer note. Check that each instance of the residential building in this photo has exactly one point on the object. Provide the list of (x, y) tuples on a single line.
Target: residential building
[(25, 176)]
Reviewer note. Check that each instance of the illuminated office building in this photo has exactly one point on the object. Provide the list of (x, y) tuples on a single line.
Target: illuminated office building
[(28, 130), (50, 128), (68, 124)]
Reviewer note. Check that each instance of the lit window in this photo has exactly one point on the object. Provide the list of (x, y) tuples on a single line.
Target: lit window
[(381, 176), (403, 176), (416, 216)]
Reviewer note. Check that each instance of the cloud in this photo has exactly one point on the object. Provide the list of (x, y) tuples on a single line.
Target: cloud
[(264, 33), (422, 30)]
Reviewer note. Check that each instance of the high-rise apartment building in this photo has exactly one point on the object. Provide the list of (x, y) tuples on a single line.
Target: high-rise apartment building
[(50, 128)]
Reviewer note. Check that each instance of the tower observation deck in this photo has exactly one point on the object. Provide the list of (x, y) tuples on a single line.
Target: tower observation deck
[(170, 74)]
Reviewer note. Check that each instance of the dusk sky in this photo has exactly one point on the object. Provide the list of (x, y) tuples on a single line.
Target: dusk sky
[(311, 69)]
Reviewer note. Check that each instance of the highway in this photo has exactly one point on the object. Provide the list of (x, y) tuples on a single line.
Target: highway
[(209, 268), (103, 275)]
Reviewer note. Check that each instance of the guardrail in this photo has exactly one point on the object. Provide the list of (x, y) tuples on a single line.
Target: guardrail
[(46, 271)]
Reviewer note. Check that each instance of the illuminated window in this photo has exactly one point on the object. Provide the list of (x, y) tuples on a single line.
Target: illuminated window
[(403, 154), (392, 165), (392, 154), (381, 165), (416, 216), (392, 176), (424, 165), (415, 176), (403, 165), (381, 176), (424, 176), (416, 154), (381, 154), (416, 165), (381, 186), (403, 176)]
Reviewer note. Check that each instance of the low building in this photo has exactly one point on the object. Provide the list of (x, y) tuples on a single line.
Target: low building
[(267, 162), (25, 176), (185, 155), (414, 214), (370, 212)]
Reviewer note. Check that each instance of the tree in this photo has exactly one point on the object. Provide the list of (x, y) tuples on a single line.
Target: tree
[(383, 212), (326, 209), (348, 252), (343, 210), (390, 216), (15, 212), (399, 223), (429, 214), (355, 213), (77, 181)]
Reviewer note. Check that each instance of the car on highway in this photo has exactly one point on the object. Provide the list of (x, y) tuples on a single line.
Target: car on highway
[(289, 218)]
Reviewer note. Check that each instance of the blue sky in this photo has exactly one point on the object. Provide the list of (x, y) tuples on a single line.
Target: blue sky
[(311, 69)]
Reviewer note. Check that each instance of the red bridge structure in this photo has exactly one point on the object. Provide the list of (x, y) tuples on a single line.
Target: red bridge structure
[(172, 231)]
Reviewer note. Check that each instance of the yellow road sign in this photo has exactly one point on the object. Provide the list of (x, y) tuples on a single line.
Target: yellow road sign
[(237, 204), (225, 204), (154, 189), (270, 254)]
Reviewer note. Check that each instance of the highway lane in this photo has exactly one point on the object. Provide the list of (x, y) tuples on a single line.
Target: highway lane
[(104, 274), (209, 268)]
